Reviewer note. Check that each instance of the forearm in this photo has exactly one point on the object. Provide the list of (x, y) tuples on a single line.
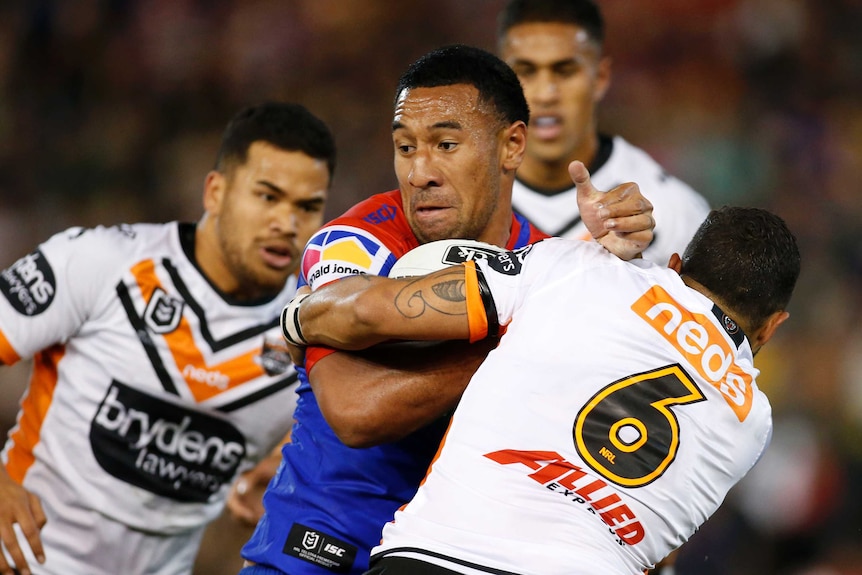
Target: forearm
[(361, 311), (393, 390)]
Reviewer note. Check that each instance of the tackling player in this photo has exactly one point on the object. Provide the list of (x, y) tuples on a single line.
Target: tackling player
[(616, 413)]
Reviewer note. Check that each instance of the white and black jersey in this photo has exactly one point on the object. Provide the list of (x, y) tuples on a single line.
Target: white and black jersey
[(678, 209), (150, 390)]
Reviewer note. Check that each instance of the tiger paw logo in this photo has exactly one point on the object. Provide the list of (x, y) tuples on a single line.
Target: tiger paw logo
[(274, 357)]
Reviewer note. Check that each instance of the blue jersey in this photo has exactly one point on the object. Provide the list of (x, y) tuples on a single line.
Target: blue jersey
[(327, 504)]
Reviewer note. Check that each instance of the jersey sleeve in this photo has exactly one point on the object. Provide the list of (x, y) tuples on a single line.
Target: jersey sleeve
[(515, 276), (49, 293), (341, 250), (508, 280), (337, 251)]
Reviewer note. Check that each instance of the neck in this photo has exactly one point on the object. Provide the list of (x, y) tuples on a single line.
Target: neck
[(208, 256), (538, 172), (740, 320)]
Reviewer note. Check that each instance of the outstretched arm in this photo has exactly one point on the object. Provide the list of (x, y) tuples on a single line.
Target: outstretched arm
[(360, 311)]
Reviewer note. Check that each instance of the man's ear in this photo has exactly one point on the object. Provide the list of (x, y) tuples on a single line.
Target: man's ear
[(603, 78), (514, 146), (675, 263), (214, 187), (771, 324)]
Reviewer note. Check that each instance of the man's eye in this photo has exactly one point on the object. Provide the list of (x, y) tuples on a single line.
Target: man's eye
[(448, 146), (567, 70), (524, 71), (311, 208)]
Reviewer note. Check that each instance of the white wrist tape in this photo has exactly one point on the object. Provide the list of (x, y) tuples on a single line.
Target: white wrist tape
[(290, 327)]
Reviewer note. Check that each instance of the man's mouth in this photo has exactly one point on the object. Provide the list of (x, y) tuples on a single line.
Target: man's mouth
[(546, 127), (277, 256)]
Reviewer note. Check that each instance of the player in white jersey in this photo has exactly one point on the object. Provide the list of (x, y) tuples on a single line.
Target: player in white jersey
[(159, 373), (618, 409), (555, 47), (677, 208)]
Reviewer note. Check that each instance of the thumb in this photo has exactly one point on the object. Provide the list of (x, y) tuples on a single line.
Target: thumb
[(581, 177), (589, 200)]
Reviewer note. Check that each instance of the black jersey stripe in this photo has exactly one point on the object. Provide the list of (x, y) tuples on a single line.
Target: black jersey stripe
[(146, 339), (395, 551), (215, 345), (260, 394)]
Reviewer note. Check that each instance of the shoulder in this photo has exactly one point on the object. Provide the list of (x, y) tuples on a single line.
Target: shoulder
[(368, 238), (102, 241), (559, 255), (629, 163)]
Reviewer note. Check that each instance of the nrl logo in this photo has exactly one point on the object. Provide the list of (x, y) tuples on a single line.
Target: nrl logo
[(310, 540), (163, 313)]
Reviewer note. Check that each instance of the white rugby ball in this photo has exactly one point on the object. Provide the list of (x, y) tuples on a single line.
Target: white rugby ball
[(437, 255)]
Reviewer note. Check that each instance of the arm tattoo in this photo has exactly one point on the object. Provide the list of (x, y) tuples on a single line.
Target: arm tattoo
[(445, 295)]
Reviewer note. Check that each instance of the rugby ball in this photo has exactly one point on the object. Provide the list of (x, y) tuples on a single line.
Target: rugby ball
[(437, 255)]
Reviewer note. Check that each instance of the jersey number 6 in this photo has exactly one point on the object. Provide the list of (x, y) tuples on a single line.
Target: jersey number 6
[(627, 431)]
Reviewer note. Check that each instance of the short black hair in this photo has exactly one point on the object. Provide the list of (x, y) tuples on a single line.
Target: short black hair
[(746, 257), (284, 125), (459, 64), (583, 13)]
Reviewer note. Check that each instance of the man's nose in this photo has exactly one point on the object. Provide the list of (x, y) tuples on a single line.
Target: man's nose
[(423, 173)]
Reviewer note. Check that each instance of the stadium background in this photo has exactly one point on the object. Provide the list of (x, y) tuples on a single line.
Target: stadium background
[(111, 111)]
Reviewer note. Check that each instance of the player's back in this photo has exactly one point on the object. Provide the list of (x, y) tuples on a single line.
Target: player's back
[(608, 424)]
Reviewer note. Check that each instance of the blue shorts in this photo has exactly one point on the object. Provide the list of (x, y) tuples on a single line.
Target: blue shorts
[(260, 570)]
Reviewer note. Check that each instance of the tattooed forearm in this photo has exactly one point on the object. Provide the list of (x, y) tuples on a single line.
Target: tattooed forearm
[(444, 295)]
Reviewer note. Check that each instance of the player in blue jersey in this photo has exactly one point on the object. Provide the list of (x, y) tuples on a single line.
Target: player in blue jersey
[(459, 133)]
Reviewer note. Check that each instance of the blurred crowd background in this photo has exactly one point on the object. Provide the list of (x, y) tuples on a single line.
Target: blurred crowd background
[(111, 111)]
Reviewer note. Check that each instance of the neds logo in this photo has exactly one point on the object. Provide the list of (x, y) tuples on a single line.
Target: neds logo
[(701, 343), (162, 447), (29, 284)]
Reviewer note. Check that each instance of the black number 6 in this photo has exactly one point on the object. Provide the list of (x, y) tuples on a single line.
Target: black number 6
[(627, 431)]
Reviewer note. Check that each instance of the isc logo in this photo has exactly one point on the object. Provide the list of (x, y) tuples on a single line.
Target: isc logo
[(334, 549), (701, 343)]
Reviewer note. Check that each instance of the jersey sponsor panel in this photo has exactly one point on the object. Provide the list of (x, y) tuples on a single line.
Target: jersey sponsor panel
[(704, 346), (29, 284), (552, 471), (162, 447)]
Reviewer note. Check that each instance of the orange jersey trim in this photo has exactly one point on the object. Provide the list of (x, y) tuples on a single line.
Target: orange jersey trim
[(477, 316), (34, 409), (187, 355), (8, 355)]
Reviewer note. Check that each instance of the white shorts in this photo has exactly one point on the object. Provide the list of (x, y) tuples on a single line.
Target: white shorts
[(82, 541)]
